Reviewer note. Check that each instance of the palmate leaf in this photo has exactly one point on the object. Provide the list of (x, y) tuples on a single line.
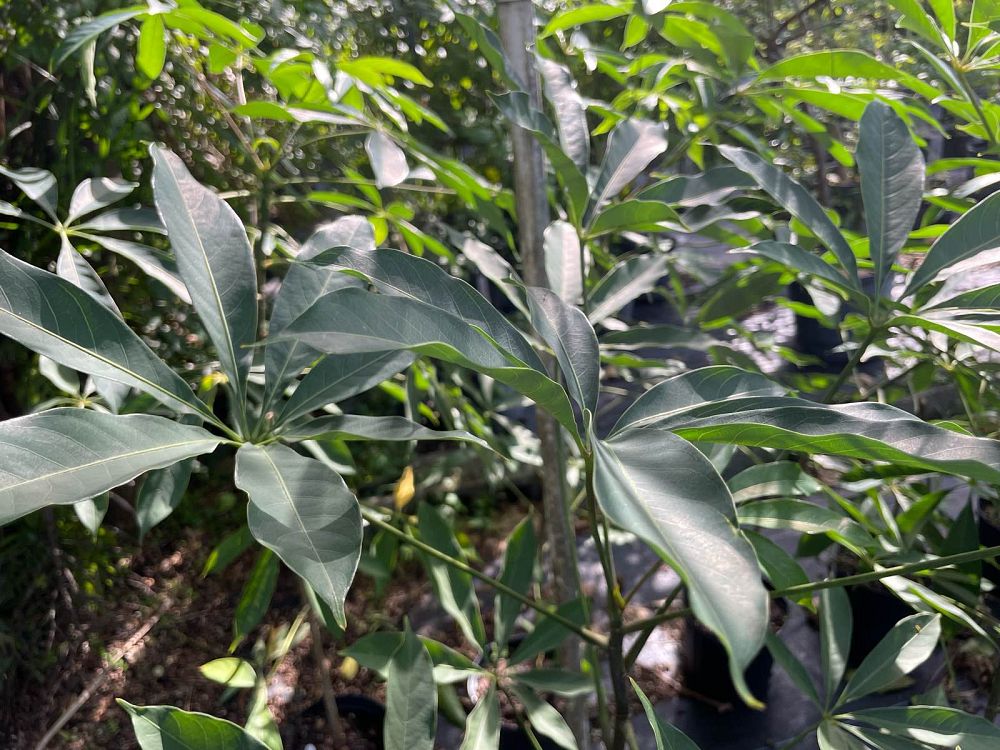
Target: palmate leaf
[(90, 29), (934, 725), (169, 728), (482, 727), (95, 193), (363, 427), (892, 184), (564, 261), (665, 736), (56, 319), (352, 320), (517, 571), (631, 146), (61, 456), (666, 492), (38, 184), (303, 511), (214, 259), (624, 283), (570, 111), (374, 651)]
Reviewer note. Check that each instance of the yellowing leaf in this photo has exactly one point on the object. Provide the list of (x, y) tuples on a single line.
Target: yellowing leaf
[(404, 489)]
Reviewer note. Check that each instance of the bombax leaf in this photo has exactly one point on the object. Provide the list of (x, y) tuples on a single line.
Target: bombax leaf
[(632, 145), (676, 396), (624, 283), (570, 110), (53, 317), (169, 728), (544, 718), (665, 736), (229, 671), (904, 648), (934, 725), (352, 320), (387, 159), (363, 427), (667, 493), (844, 63), (517, 570), (411, 698), (160, 493), (401, 274), (871, 432), (892, 184), (795, 199), (482, 727), (801, 260), (572, 338), (154, 263), (374, 651), (835, 630), (61, 456), (92, 194), (38, 184), (214, 259), (564, 261), (303, 511), (976, 230), (92, 28)]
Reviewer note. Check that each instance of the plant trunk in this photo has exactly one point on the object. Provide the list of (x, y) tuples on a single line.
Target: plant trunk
[(517, 32)]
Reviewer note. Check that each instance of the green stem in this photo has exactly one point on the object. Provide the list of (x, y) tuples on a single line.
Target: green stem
[(832, 583), (851, 366), (590, 636), (973, 98)]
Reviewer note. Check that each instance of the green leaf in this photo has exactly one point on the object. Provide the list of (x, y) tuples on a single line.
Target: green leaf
[(904, 648), (38, 184), (624, 283), (805, 517), (123, 220), (229, 671), (215, 260), (883, 740), (916, 19), (892, 184), (234, 545), (835, 626), (566, 329), (387, 159), (256, 596), (777, 479), (160, 493), (482, 727), (304, 512), (545, 719), (91, 512), (564, 261), (982, 14), (361, 67), (795, 199), (570, 111), (516, 107), (934, 725), (709, 188), (631, 147), (634, 216), (92, 28), (400, 274), (556, 681), (374, 651), (454, 587), (169, 728), (151, 52), (154, 263), (682, 394), (793, 667), (411, 700), (362, 427), (667, 493), (260, 722), (338, 377), (352, 320), (548, 633), (976, 230), (844, 63), (56, 319), (780, 568), (516, 571), (62, 456), (801, 260), (568, 19), (95, 193), (665, 736), (831, 736)]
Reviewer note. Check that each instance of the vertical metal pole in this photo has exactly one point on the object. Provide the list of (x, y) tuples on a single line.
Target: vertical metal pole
[(517, 33)]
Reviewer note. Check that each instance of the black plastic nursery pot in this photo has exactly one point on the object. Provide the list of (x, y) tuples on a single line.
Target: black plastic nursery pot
[(705, 663), (874, 612), (363, 718), (989, 536)]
